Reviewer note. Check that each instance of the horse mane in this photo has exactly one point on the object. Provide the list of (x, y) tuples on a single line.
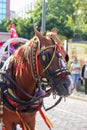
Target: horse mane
[(21, 56)]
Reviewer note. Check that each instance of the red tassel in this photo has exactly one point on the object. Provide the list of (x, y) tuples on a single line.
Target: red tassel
[(44, 118)]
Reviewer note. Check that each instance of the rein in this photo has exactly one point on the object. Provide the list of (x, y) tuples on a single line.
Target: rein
[(35, 101), (57, 102)]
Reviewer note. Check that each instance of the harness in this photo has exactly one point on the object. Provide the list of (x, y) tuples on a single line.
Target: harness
[(10, 100), (36, 101), (14, 103)]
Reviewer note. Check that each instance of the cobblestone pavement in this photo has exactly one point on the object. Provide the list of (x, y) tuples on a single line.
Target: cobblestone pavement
[(68, 115)]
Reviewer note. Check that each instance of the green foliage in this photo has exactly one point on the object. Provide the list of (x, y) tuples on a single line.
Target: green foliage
[(68, 16), (24, 27), (4, 25), (36, 14), (80, 15), (84, 36)]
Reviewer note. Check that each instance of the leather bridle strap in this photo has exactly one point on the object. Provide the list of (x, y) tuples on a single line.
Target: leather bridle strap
[(8, 77), (33, 57), (57, 102), (58, 46), (50, 60), (30, 102)]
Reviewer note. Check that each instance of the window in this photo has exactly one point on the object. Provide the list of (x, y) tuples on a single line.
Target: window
[(4, 0), (1, 1), (0, 5), (4, 11)]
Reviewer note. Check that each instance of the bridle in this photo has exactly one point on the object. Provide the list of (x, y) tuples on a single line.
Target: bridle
[(35, 51), (43, 58), (45, 68)]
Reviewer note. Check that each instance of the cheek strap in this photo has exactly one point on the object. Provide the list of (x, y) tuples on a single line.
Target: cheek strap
[(60, 50)]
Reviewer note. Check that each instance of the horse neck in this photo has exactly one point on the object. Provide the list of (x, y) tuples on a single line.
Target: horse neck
[(23, 75), (25, 80), (24, 70)]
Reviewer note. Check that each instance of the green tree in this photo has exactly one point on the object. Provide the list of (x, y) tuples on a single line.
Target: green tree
[(68, 16), (36, 14), (24, 27), (4, 25), (81, 17), (57, 14), (61, 11)]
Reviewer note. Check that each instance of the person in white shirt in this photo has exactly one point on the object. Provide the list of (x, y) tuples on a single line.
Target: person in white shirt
[(75, 72)]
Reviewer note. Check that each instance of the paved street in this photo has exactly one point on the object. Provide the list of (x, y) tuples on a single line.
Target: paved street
[(69, 115)]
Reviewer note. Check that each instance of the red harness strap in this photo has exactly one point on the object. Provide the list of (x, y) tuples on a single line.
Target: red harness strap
[(46, 120), (60, 50), (13, 103), (37, 61)]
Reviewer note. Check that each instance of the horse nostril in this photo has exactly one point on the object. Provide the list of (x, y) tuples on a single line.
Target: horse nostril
[(65, 86)]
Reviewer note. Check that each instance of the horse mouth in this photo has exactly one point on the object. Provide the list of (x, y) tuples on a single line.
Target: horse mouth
[(64, 86)]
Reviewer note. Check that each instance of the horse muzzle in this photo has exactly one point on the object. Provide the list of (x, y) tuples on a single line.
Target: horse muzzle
[(63, 85)]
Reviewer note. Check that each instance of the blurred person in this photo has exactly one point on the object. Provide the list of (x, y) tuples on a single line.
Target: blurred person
[(84, 75), (75, 72)]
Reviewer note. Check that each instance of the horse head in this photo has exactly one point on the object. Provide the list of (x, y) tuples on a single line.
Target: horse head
[(52, 61)]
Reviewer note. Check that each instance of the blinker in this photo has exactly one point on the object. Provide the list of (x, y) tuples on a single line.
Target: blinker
[(43, 57)]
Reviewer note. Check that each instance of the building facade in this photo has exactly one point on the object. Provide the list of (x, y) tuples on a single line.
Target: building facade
[(4, 9), (4, 36), (23, 12)]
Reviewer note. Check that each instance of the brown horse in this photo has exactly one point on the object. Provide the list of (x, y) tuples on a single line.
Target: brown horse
[(22, 90)]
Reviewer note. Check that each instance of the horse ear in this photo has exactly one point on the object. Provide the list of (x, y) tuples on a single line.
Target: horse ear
[(55, 30), (40, 36)]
